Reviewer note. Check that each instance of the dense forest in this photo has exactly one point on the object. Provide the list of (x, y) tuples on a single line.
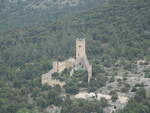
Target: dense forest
[(117, 30), (18, 13)]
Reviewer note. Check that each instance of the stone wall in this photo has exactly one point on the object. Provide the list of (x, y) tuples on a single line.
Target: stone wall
[(147, 89), (81, 62), (47, 79), (57, 67), (60, 66)]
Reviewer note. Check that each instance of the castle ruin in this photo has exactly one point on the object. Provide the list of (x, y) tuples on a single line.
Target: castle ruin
[(79, 63)]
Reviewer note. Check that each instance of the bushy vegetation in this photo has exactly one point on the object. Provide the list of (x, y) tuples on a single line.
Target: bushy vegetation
[(139, 104), (147, 73), (20, 13), (82, 106), (118, 30)]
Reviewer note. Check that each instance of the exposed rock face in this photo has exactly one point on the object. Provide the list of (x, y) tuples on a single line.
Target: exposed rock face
[(53, 109), (81, 62), (119, 104)]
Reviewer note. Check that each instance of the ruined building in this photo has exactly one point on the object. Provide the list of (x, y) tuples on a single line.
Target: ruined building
[(147, 89), (80, 62)]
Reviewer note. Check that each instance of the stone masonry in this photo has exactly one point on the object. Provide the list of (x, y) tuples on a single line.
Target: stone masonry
[(81, 62)]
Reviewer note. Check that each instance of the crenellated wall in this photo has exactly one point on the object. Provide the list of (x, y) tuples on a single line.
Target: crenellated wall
[(81, 62), (60, 66)]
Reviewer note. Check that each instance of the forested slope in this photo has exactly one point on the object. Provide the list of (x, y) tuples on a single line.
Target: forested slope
[(117, 30), (20, 13)]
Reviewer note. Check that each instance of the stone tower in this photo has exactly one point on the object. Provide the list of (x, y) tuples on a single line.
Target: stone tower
[(81, 58), (80, 62), (80, 48)]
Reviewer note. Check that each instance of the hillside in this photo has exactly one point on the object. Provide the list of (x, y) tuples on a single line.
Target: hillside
[(117, 31), (20, 13)]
